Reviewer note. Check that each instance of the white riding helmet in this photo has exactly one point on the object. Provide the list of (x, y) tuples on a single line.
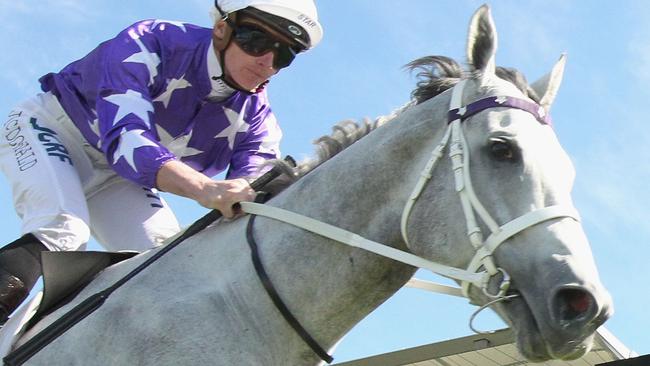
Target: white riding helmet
[(300, 12)]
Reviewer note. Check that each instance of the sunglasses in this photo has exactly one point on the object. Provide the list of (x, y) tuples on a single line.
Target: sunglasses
[(257, 42)]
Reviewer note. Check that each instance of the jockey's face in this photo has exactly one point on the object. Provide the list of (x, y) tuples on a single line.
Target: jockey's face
[(248, 69)]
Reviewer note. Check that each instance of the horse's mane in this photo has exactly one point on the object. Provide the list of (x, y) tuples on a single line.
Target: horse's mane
[(344, 134), (435, 74)]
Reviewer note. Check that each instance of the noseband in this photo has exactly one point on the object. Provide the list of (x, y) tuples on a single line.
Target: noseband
[(482, 268)]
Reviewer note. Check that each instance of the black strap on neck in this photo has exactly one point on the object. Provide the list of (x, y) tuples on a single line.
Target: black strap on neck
[(277, 300)]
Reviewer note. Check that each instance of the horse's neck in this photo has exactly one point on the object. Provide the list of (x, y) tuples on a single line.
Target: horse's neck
[(328, 285)]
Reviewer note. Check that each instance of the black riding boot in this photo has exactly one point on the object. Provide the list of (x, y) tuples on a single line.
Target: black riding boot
[(20, 267)]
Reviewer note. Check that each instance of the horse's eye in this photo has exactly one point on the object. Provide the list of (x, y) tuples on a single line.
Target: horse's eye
[(502, 150)]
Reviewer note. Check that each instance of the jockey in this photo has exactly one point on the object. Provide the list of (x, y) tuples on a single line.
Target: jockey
[(164, 106)]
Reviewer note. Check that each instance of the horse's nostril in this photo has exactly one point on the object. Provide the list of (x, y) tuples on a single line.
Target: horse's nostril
[(579, 301), (574, 304)]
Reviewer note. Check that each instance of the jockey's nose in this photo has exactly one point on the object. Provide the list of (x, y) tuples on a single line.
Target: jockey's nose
[(266, 60)]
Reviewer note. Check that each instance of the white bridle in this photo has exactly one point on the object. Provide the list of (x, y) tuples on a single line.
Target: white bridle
[(459, 155)]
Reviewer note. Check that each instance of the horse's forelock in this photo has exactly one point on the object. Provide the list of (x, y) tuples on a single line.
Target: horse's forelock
[(438, 73), (515, 77), (435, 75)]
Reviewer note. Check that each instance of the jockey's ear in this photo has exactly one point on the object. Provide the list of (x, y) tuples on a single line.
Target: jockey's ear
[(221, 33), (548, 86)]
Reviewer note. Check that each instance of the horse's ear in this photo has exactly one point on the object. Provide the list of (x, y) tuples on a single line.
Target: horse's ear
[(548, 86), (482, 41)]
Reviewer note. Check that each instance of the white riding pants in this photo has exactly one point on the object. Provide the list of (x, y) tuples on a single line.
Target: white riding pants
[(64, 190)]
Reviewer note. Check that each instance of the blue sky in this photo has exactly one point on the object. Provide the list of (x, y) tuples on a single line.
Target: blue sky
[(600, 115)]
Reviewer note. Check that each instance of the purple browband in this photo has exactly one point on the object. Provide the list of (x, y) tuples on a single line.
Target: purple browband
[(495, 102)]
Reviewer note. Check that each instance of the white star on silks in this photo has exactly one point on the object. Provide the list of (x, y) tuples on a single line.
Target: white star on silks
[(162, 22), (268, 145), (237, 124), (130, 102), (149, 59), (178, 146), (94, 124), (94, 127), (172, 85), (129, 141)]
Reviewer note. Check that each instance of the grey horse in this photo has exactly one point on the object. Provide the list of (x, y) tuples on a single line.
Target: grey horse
[(203, 303)]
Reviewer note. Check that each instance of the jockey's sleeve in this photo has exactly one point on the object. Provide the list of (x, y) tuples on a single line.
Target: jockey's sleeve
[(262, 143), (130, 70)]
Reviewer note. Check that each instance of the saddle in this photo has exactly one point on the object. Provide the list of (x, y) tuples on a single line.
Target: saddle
[(65, 274)]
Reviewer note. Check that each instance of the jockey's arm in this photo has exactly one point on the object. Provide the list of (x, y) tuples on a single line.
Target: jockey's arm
[(178, 178)]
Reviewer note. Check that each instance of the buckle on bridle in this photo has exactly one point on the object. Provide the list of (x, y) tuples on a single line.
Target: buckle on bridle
[(504, 285)]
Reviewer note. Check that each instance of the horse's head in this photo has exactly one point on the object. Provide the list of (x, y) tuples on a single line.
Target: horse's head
[(515, 182)]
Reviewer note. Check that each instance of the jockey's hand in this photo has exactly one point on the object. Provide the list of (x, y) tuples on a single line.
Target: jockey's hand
[(178, 178), (223, 195)]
